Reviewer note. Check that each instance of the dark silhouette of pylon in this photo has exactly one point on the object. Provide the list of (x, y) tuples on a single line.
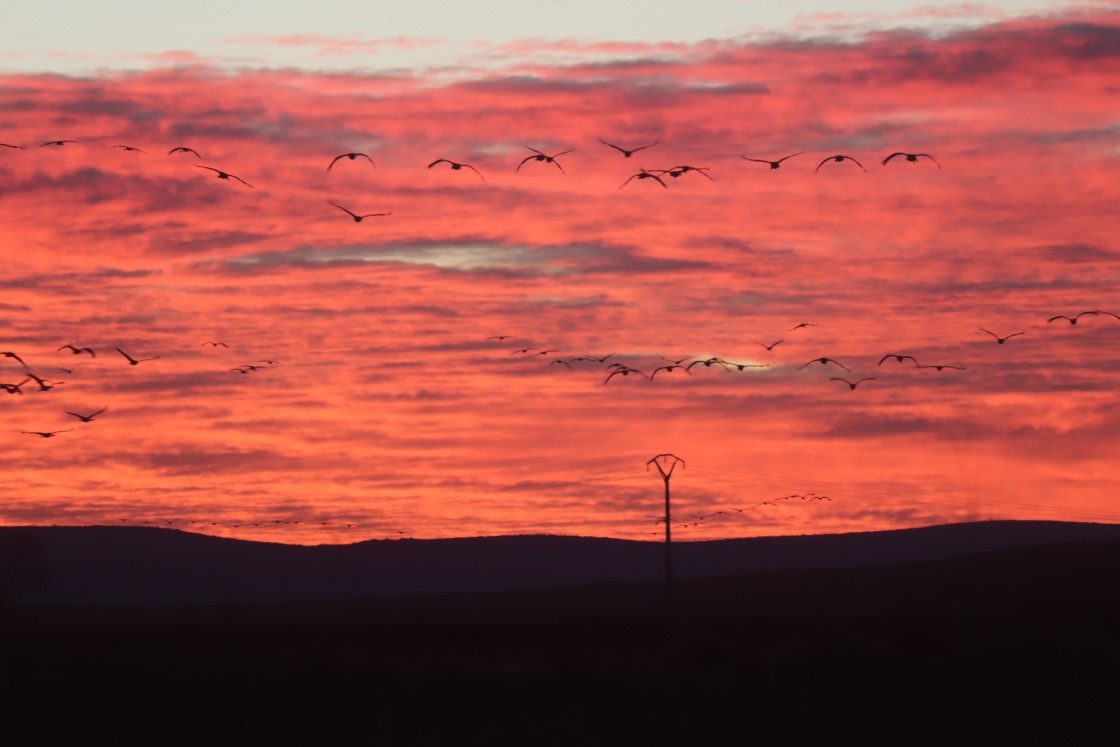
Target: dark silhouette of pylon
[(661, 461)]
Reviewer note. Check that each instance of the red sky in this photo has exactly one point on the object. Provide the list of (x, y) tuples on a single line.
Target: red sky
[(390, 410)]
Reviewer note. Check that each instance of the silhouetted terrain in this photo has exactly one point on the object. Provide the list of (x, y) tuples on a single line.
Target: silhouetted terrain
[(998, 646), (147, 566)]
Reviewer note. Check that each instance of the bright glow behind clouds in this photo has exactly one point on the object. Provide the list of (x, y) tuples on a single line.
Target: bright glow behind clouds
[(68, 38)]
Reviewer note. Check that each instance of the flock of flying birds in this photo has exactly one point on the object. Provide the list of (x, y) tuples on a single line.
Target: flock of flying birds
[(688, 363), (732, 511), (615, 370), (536, 156), (37, 383)]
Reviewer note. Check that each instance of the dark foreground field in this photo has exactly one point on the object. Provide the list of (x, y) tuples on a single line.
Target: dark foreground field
[(995, 647)]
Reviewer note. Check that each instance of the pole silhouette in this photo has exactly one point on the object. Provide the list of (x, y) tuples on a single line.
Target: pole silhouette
[(660, 461)]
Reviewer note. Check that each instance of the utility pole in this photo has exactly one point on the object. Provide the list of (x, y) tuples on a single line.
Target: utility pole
[(661, 461)]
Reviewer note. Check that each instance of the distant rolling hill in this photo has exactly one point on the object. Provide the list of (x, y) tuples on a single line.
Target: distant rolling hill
[(139, 566)]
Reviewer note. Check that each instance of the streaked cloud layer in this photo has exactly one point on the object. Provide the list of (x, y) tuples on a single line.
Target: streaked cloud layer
[(391, 409)]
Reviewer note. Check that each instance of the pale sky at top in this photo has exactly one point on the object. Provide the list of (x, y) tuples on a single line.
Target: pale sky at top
[(69, 38)]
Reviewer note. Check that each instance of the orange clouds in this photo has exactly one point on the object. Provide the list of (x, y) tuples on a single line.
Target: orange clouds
[(391, 410)]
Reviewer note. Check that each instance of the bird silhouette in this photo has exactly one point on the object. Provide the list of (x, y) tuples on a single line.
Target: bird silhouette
[(770, 346), (911, 157), (457, 166), (351, 156), (57, 143), (358, 218), (8, 145), (678, 361), (87, 418), (999, 339), (498, 337), (676, 171), (825, 361), (850, 384), (14, 388), (643, 174), (708, 363), (215, 344), (46, 434), (134, 361), (78, 351), (128, 149), (627, 153), (184, 149), (45, 385), (1073, 319), (899, 358), (803, 324), (941, 366), (9, 354), (225, 175), (670, 367), (838, 159), (625, 371), (773, 164), (544, 158)]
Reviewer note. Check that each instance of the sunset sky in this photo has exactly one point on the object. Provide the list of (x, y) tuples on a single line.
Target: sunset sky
[(391, 410)]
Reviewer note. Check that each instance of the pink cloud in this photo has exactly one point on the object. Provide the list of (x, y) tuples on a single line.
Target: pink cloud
[(391, 408)]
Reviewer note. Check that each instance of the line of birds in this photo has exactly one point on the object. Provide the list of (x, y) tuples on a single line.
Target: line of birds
[(624, 369), (614, 369), (731, 511), (536, 156)]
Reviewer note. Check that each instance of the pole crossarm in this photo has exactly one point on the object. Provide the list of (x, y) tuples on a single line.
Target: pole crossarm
[(660, 467)]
